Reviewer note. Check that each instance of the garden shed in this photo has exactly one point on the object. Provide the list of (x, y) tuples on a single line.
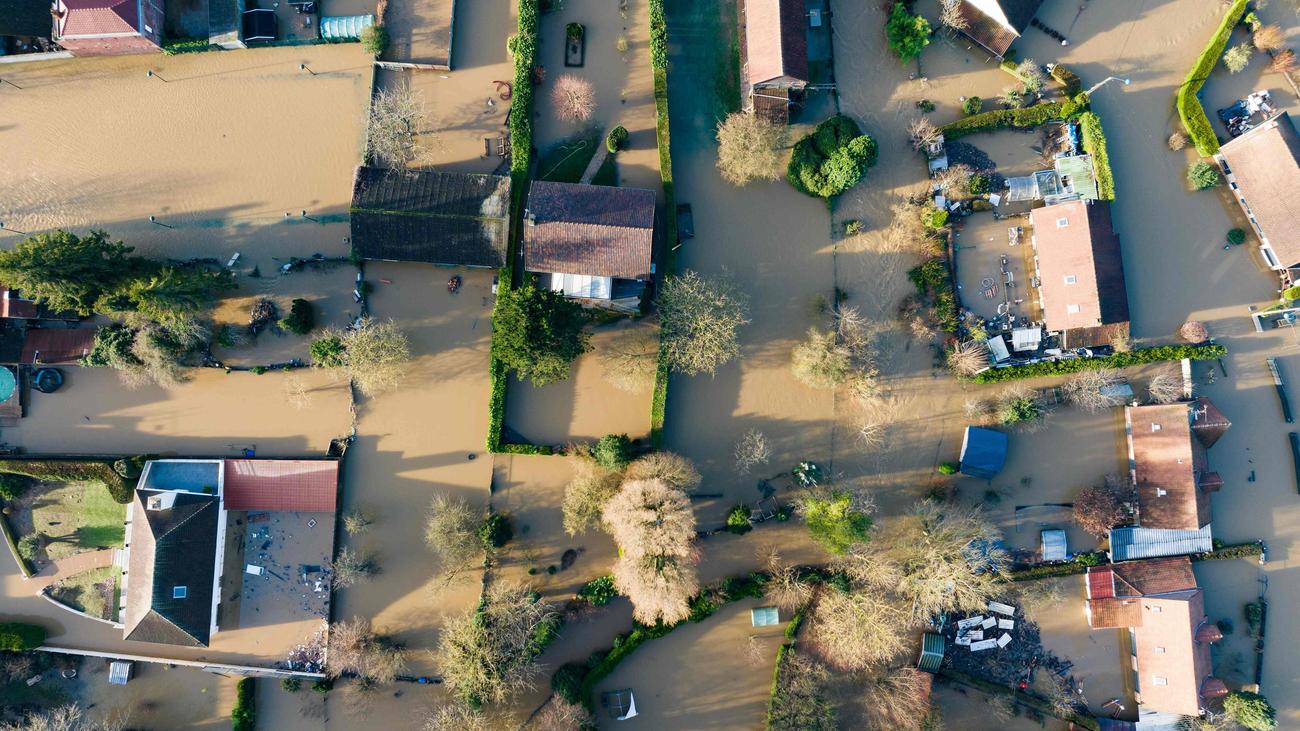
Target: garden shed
[(1054, 545), (345, 27), (932, 647), (983, 452)]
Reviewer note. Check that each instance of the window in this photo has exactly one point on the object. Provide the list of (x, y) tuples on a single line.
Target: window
[(1160, 650), (1071, 279), (1073, 309), (1062, 222), (1161, 492), (1157, 609), (1155, 427), (1161, 680), (179, 592)]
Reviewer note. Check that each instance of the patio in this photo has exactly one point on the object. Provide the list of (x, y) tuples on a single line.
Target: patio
[(994, 265), (279, 572)]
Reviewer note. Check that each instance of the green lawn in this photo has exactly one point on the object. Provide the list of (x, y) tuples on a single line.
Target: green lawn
[(76, 517), (566, 161), (82, 593)]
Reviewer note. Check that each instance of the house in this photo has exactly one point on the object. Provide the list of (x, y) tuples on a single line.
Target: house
[(774, 43), (176, 536), (1167, 446), (108, 27), (983, 452), (591, 242), (1263, 171), (1163, 609), (450, 219), (996, 24), (1079, 273)]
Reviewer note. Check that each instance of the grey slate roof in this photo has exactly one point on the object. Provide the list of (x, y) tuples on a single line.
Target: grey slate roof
[(428, 216), (170, 548)]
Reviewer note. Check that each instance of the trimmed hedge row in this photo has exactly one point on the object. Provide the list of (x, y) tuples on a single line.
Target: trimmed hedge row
[(1071, 568), (1026, 118), (244, 714), (781, 652), (70, 470), (1118, 360), (1094, 143), (659, 63), (18, 637), (1189, 107)]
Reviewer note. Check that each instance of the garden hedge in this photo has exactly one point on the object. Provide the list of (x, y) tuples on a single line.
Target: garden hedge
[(17, 636), (1094, 143), (70, 470), (244, 714), (1118, 360), (659, 64), (1071, 568), (1026, 118), (1189, 107)]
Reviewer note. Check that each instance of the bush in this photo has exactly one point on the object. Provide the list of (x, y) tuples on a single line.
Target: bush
[(301, 319), (18, 637), (574, 31), (1291, 293), (1202, 175), (323, 686), (1254, 618), (327, 352), (1189, 107), (244, 714), (374, 40), (613, 452), (1026, 118), (616, 139), (908, 34), (738, 520), (538, 333), (972, 105), (934, 217), (599, 591), (1251, 710), (495, 531), (1094, 143), (291, 685), (12, 487), (834, 523), (925, 105), (832, 159), (567, 682), (188, 45), (1118, 360), (1236, 236), (948, 468), (69, 470)]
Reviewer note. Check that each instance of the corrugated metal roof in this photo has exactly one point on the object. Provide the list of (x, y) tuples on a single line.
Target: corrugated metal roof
[(1131, 543), (932, 648), (344, 27)]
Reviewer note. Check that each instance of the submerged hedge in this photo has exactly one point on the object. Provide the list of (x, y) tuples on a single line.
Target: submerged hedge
[(18, 637), (1118, 360), (1026, 118), (244, 714), (1094, 143), (1189, 107), (659, 64)]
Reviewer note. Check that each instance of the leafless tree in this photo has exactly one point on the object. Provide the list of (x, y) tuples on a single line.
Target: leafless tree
[(395, 117), (1269, 38), (356, 522), (1032, 75), (586, 494), (1097, 509), (854, 631), (967, 359), (573, 98), (1087, 389), (297, 393), (750, 147), (351, 567), (630, 360), (355, 648), (898, 701), (951, 17), (68, 717), (654, 526), (456, 717), (1194, 331), (1283, 62), (821, 361), (451, 530), (1001, 705), (785, 587), (485, 653), (675, 470), (1021, 406), (752, 451), (376, 355), (1178, 141), (921, 131), (700, 320), (955, 180), (1166, 387), (659, 587), (561, 715)]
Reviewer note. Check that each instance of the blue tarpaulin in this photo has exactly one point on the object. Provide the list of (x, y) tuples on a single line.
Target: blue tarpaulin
[(983, 452), (344, 27)]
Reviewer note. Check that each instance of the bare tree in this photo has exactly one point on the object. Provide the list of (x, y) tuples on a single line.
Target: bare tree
[(654, 526), (456, 717), (1001, 705), (854, 631), (297, 393), (672, 468), (821, 361), (1097, 509), (1283, 62), (356, 522), (451, 530), (1178, 141), (1032, 75), (351, 567), (750, 147), (1166, 387), (629, 361), (967, 359), (487, 654), (1269, 38), (573, 98), (561, 715), (955, 180), (700, 321), (921, 131), (752, 451), (950, 16), (376, 355), (395, 117), (1194, 331), (1088, 389), (586, 494), (785, 587), (354, 647), (898, 701)]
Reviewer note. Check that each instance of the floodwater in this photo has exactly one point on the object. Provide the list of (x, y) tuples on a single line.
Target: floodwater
[(159, 696)]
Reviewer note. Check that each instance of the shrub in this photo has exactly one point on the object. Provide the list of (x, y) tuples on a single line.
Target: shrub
[(1237, 58), (1202, 175), (1254, 618), (738, 520), (835, 523), (18, 637), (972, 105), (28, 545), (291, 685), (925, 105), (327, 352), (1251, 710), (1118, 360), (1026, 118), (832, 159), (1094, 143), (495, 531), (301, 319), (574, 31), (12, 487), (613, 452), (1177, 141), (567, 682), (374, 40), (616, 139), (323, 686), (948, 468), (908, 34), (599, 591), (934, 217), (69, 470), (1189, 107), (244, 714), (1291, 293), (1236, 236)]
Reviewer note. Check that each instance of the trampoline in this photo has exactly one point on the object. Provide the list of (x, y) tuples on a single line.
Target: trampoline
[(8, 384)]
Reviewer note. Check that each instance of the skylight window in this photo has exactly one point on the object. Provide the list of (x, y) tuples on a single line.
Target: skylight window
[(1071, 279), (180, 592), (1073, 309), (1062, 222)]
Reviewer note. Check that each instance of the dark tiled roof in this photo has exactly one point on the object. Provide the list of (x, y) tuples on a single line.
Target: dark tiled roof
[(590, 230), (1208, 423), (1265, 165), (991, 33), (429, 216), (776, 40), (1168, 462), (58, 345), (171, 548), (294, 485), (25, 18)]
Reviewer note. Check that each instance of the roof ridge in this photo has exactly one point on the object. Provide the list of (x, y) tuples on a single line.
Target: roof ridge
[(187, 518), (164, 617)]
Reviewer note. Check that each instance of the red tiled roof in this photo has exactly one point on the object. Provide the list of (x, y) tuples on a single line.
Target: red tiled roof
[(289, 485), (13, 305), (58, 345), (1167, 464), (1081, 271), (1114, 590), (776, 41), (96, 17)]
